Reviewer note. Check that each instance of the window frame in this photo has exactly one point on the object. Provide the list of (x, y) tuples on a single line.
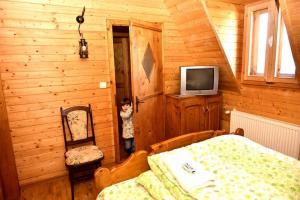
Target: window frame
[(271, 49), (254, 43)]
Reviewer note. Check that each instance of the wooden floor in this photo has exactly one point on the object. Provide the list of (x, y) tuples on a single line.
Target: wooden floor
[(59, 189)]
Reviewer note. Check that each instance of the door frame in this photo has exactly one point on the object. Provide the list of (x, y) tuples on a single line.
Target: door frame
[(109, 24), (119, 22)]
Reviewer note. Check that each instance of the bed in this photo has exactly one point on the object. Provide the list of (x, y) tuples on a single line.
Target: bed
[(241, 169)]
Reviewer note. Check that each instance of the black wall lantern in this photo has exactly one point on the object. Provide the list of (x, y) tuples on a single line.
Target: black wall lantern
[(83, 46)]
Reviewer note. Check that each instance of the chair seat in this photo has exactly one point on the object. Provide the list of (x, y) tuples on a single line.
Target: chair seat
[(83, 154)]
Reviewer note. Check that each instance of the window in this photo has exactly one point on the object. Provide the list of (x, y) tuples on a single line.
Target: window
[(258, 47), (268, 56)]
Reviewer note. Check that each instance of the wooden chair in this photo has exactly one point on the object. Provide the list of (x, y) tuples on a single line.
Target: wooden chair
[(82, 156)]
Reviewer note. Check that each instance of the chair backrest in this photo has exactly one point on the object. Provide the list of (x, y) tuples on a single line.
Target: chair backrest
[(77, 124)]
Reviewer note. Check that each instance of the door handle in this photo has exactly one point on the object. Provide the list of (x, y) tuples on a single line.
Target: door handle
[(137, 102)]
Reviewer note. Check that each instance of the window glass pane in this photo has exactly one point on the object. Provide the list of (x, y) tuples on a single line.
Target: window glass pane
[(259, 42), (286, 65), (263, 31)]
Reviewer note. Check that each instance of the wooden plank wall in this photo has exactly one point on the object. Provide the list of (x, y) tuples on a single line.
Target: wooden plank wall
[(278, 103), (200, 38), (228, 20), (9, 185), (41, 71), (290, 12)]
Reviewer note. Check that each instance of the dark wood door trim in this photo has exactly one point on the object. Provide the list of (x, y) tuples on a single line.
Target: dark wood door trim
[(109, 24)]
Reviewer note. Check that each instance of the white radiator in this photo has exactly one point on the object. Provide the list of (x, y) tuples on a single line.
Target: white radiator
[(277, 135)]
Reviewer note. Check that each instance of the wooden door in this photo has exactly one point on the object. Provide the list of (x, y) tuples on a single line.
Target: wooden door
[(193, 115), (147, 83), (213, 113)]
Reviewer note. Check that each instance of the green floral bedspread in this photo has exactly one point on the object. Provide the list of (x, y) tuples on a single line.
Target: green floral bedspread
[(127, 190), (242, 170)]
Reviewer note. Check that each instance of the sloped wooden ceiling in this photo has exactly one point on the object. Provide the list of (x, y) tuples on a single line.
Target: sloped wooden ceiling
[(241, 2), (278, 103), (227, 18), (200, 38), (291, 15), (228, 21), (221, 28)]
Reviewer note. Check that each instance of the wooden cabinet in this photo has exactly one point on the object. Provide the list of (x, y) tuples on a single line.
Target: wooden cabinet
[(186, 114)]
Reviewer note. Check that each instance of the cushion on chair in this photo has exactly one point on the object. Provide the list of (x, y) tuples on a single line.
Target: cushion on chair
[(77, 121), (83, 154)]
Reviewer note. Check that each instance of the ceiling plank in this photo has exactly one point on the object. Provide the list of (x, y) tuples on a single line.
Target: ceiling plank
[(289, 9), (201, 40)]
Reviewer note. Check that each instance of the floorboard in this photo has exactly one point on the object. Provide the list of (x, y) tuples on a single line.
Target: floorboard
[(59, 189)]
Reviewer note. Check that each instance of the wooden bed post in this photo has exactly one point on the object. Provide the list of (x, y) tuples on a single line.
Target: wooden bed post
[(239, 131), (132, 167), (181, 141)]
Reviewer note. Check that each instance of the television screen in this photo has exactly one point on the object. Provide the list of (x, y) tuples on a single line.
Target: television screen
[(200, 79)]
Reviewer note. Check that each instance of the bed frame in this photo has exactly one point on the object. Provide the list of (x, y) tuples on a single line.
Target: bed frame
[(137, 162)]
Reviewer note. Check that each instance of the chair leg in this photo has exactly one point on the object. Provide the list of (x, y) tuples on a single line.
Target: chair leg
[(71, 183), (72, 189)]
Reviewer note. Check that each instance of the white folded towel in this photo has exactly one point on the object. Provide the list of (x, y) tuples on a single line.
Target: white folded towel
[(188, 173)]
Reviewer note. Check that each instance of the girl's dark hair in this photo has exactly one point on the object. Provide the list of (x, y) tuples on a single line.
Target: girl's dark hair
[(125, 101)]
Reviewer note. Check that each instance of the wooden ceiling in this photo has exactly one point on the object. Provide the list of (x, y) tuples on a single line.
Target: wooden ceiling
[(201, 39), (243, 2), (290, 12)]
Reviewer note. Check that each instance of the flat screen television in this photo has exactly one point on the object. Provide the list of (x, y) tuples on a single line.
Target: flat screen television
[(199, 80)]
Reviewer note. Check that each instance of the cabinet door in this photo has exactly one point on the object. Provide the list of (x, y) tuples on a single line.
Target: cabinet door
[(172, 118), (213, 115), (193, 116)]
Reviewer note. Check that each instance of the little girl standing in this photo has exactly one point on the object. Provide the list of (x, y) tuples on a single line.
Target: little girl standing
[(128, 130)]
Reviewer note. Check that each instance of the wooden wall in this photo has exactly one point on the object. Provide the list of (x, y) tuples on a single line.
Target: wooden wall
[(290, 12), (41, 71), (200, 38), (228, 21), (222, 25), (278, 103), (9, 185)]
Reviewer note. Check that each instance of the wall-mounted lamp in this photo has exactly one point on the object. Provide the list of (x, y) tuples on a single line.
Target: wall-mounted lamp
[(83, 46)]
